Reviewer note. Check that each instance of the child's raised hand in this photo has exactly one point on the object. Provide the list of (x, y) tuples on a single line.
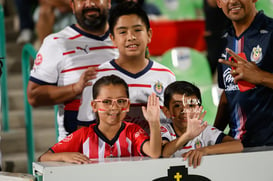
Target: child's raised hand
[(195, 124), (152, 112)]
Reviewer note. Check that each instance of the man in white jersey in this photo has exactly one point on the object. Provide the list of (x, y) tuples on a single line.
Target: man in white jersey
[(130, 32), (67, 60)]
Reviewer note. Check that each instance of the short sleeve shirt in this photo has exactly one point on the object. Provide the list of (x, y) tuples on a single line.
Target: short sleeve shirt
[(251, 111), (210, 136), (91, 142)]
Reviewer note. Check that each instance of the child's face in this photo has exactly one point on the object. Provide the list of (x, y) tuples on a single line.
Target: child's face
[(179, 106), (111, 104), (131, 36)]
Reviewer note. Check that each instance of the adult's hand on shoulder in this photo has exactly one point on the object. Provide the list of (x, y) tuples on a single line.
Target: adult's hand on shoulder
[(85, 80)]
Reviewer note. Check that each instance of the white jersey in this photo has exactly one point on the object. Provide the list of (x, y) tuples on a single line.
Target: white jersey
[(154, 78), (210, 136), (64, 56)]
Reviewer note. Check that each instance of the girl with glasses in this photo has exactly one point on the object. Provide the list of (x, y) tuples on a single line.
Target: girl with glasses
[(111, 136)]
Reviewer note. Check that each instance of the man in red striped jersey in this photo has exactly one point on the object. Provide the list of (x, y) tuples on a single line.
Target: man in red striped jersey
[(67, 60), (130, 32)]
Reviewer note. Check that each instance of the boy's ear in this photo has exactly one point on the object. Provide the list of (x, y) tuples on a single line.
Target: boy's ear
[(94, 106), (166, 112), (112, 38), (150, 34)]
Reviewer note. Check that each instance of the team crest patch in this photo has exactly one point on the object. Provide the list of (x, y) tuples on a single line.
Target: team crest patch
[(140, 132), (198, 144), (38, 59), (256, 54), (68, 138), (158, 88)]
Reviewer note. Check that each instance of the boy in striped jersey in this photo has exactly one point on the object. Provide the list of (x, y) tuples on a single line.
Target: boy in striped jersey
[(130, 31), (187, 135), (111, 136)]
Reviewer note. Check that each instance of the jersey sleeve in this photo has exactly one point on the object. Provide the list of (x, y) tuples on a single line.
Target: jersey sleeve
[(45, 68), (72, 143), (85, 114), (139, 138), (165, 132), (220, 76), (211, 135)]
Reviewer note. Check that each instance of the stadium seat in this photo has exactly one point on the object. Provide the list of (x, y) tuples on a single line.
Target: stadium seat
[(178, 9), (192, 66), (188, 64), (266, 6), (170, 34)]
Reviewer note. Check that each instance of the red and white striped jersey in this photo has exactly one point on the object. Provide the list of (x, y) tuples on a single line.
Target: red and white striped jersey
[(154, 78), (210, 136), (64, 56), (92, 143)]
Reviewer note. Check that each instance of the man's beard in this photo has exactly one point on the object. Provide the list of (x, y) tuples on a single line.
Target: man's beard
[(92, 23)]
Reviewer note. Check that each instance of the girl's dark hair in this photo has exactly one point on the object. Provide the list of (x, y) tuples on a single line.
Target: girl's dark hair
[(127, 8), (181, 87), (108, 80)]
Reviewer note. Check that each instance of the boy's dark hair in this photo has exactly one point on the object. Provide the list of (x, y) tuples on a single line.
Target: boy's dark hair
[(183, 88), (108, 80), (127, 8)]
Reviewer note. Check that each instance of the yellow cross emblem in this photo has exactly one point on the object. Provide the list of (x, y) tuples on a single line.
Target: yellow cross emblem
[(178, 176)]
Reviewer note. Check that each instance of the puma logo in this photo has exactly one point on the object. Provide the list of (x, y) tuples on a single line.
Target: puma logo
[(83, 49)]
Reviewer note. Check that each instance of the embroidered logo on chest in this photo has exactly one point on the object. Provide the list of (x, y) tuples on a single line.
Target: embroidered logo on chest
[(256, 54), (158, 88), (198, 144)]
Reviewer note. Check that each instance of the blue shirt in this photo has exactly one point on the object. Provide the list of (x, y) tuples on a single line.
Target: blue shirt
[(252, 110)]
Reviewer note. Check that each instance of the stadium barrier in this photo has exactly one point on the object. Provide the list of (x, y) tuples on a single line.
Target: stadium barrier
[(250, 166)]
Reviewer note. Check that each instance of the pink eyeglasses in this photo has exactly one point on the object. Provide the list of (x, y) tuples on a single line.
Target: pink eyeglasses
[(121, 102)]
